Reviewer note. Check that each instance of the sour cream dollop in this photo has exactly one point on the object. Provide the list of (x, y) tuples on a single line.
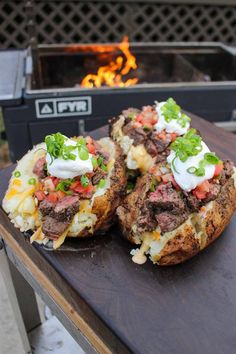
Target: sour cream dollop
[(171, 127), (186, 180), (69, 168)]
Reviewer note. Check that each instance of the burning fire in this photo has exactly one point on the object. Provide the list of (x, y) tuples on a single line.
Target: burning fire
[(112, 74)]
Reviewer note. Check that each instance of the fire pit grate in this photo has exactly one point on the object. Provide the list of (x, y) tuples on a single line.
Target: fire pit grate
[(64, 21)]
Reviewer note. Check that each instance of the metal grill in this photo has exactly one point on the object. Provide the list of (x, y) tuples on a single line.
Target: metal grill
[(95, 21)]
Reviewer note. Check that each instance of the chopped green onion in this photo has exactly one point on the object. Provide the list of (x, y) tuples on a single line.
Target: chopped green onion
[(84, 181), (94, 162), (200, 172), (192, 170), (153, 186), (131, 115), (17, 174), (100, 160), (130, 186), (102, 183), (190, 144), (211, 158), (64, 186), (146, 128), (32, 181), (104, 167), (173, 165), (171, 110), (81, 141), (83, 153), (67, 152)]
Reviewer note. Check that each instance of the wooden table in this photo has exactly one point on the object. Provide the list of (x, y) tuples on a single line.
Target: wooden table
[(104, 299)]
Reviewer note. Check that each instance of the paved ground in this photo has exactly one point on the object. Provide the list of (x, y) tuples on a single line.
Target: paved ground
[(51, 337), (9, 337)]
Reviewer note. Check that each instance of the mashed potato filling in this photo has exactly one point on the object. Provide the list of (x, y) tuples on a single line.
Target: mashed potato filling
[(19, 202)]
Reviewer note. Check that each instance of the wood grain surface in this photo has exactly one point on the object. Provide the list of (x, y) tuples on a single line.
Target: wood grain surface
[(189, 308)]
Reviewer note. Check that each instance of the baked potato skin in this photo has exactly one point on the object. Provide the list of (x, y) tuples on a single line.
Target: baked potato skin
[(218, 217), (104, 206), (199, 231), (212, 223), (127, 215), (183, 246)]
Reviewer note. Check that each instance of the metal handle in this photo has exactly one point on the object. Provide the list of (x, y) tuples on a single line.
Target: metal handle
[(229, 126)]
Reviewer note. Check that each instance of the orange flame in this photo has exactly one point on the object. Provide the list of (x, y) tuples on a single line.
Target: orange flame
[(111, 74)]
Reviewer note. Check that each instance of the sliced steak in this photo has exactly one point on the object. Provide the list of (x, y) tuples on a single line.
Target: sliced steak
[(227, 171), (46, 207), (53, 228), (39, 168), (137, 134), (155, 145), (129, 211), (167, 198), (192, 202), (98, 175), (66, 208), (146, 221), (105, 155), (128, 113), (169, 222), (213, 192)]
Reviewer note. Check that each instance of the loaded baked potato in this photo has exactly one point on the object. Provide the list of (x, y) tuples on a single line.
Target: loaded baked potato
[(181, 205), (66, 187), (145, 135)]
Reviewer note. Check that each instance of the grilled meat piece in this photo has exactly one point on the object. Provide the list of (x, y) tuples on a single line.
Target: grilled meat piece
[(193, 203), (53, 228), (57, 217), (227, 171), (39, 168), (129, 210), (137, 134), (167, 198), (146, 221), (98, 175), (213, 192), (46, 207), (128, 113), (66, 208), (169, 222), (155, 145)]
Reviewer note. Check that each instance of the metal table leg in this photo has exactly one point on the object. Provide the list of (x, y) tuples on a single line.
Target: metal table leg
[(22, 298)]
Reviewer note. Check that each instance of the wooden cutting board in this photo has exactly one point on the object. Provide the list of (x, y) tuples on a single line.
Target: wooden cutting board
[(189, 308)]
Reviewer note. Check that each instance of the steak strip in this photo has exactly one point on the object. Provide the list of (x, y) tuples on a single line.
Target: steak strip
[(57, 217)]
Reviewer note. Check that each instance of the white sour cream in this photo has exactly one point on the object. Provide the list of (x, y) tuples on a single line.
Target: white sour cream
[(69, 168), (186, 180), (171, 127)]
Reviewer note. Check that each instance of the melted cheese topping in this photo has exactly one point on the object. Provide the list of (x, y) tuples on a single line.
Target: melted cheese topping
[(186, 180), (171, 127), (139, 256), (139, 158)]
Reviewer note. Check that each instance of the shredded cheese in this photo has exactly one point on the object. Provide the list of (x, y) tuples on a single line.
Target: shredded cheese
[(37, 235), (16, 182), (57, 243)]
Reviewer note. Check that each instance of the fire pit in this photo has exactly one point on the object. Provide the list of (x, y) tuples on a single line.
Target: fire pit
[(77, 88)]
